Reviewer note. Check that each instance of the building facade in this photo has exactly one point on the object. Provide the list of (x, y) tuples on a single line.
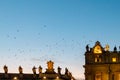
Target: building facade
[(102, 64), (49, 74)]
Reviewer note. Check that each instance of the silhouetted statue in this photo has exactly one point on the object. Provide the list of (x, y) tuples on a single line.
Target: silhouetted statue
[(59, 70), (66, 71), (34, 70), (5, 69), (40, 69), (115, 49), (87, 48), (90, 49), (20, 70), (119, 48)]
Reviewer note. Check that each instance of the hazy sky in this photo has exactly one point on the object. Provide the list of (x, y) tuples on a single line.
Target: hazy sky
[(35, 31)]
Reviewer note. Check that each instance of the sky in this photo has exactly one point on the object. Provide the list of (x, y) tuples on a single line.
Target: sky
[(33, 32)]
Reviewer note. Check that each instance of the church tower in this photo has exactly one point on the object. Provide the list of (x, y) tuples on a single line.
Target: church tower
[(102, 64)]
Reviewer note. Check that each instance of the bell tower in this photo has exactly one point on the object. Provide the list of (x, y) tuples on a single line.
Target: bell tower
[(102, 64)]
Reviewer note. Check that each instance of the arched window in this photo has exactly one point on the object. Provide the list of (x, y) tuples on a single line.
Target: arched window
[(98, 58), (98, 76)]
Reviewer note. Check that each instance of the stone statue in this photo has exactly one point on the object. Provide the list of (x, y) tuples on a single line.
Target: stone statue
[(20, 70), (87, 48), (59, 70), (50, 65), (115, 49), (119, 48), (40, 69), (91, 49), (34, 70), (107, 47), (66, 71), (5, 69)]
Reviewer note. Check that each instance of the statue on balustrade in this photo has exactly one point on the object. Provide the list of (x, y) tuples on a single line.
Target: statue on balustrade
[(5, 69)]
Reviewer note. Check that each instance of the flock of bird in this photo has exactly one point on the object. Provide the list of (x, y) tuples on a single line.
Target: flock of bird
[(57, 48)]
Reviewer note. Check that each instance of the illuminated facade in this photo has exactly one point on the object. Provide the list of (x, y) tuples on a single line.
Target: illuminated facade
[(49, 74), (102, 64)]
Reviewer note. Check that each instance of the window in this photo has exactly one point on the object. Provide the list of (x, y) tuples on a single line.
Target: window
[(114, 59), (98, 76), (15, 78), (119, 76), (98, 58)]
